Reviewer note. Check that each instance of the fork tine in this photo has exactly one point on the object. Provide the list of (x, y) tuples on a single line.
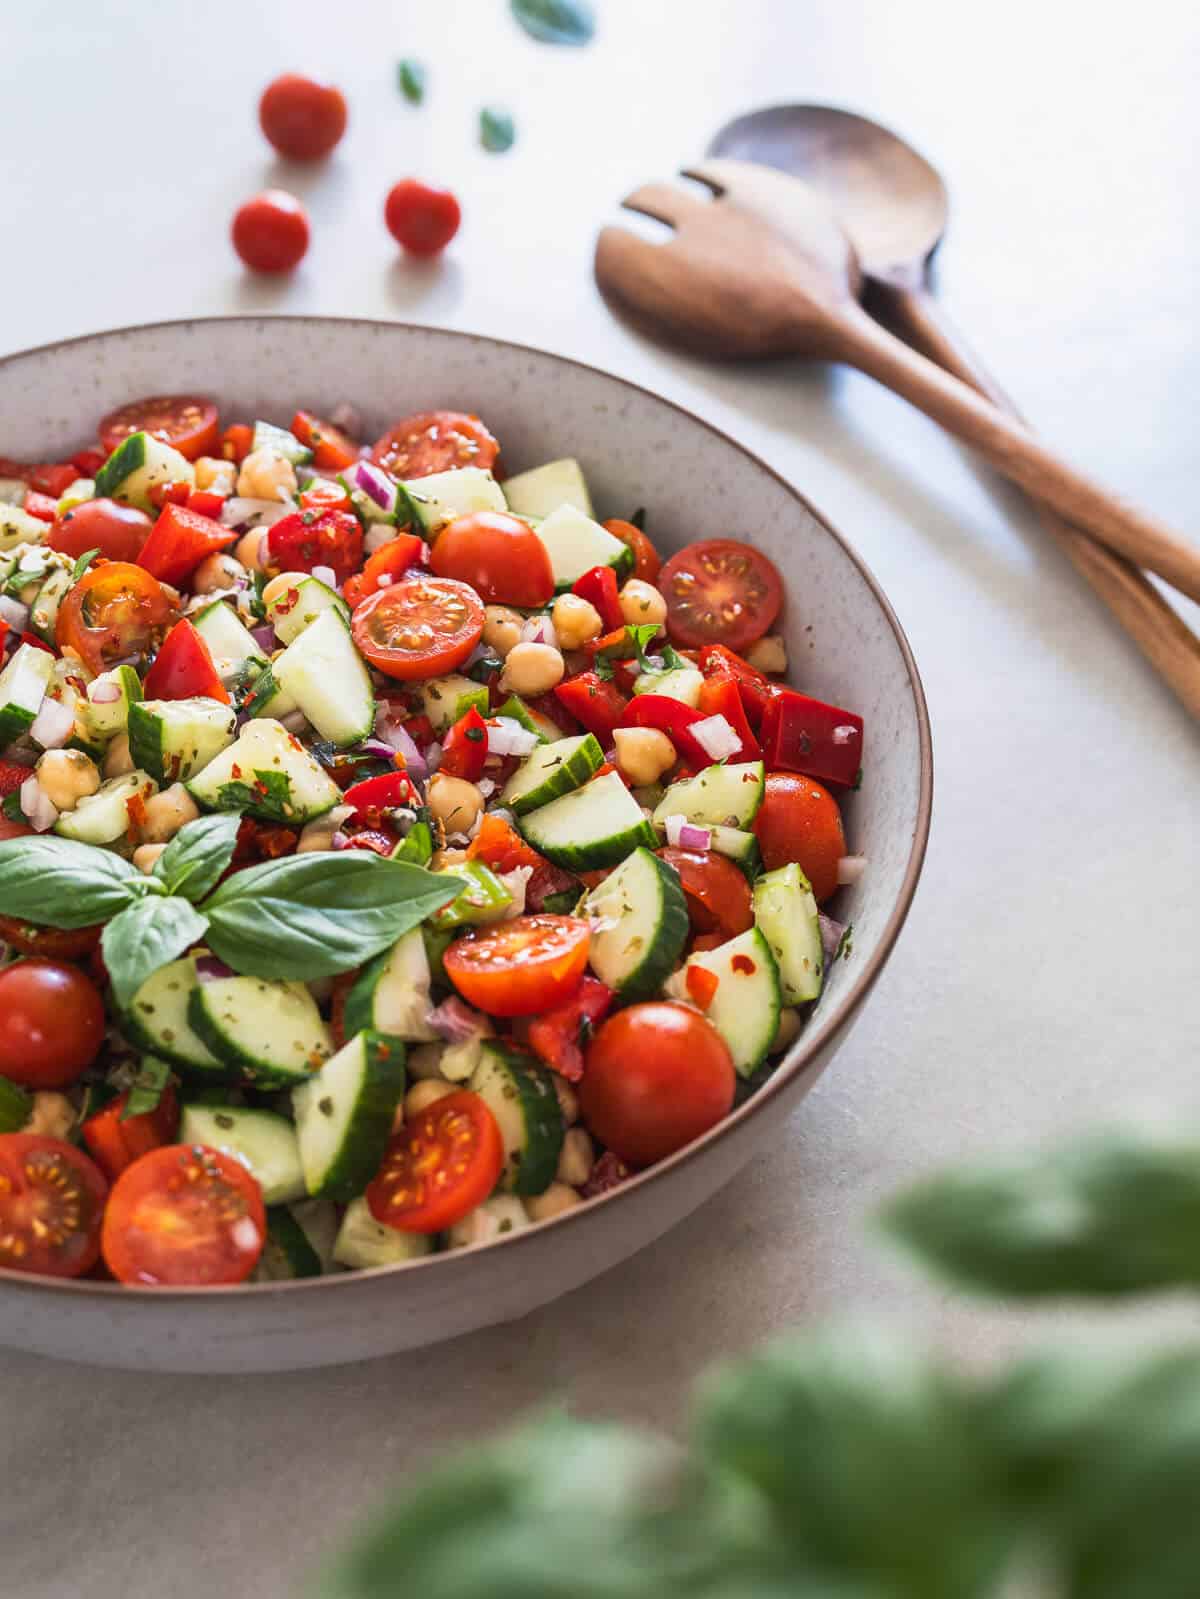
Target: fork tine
[(663, 202)]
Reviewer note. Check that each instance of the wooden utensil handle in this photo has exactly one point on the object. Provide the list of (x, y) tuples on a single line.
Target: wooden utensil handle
[(1162, 636), (1014, 451)]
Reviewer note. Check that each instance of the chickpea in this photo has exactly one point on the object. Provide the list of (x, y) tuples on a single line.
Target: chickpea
[(641, 602), (575, 621), (215, 474), (576, 1159), (318, 834), (454, 802), (768, 654), (532, 669), (166, 813), (219, 571), (425, 1062), (423, 1094), (557, 1199), (264, 473), (117, 759), (145, 855), (788, 1030), (279, 585), (643, 754), (52, 1116), (67, 776), (568, 1099), (252, 550), (501, 628)]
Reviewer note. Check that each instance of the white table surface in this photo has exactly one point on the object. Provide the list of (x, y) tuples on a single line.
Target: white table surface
[(1048, 974)]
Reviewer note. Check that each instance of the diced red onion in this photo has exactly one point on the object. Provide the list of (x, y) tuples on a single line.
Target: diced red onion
[(104, 693), (14, 613), (486, 787), (326, 575), (39, 811), (506, 736), (539, 630), (209, 969), (240, 510), (340, 840), (264, 636), (399, 741), (376, 747), (831, 935), (716, 737), (376, 483), (850, 868), (433, 756), (455, 1022), (845, 734), (687, 835), (53, 725)]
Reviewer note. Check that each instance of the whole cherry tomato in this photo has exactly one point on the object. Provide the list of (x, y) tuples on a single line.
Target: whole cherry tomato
[(422, 219), (270, 231), (302, 118), (51, 1023)]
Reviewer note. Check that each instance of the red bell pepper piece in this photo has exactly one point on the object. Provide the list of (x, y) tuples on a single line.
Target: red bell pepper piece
[(595, 704), (115, 1144), (599, 588), (382, 793), (674, 719), (465, 747), (205, 502), (32, 638), (804, 735), (179, 540), (560, 1035), (332, 449), (720, 696), (41, 505), (183, 668), (498, 844), (756, 690), (237, 442), (161, 494), (382, 568)]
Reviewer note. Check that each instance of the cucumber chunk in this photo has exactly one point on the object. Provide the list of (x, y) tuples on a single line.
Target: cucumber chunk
[(157, 1021), (104, 817), (138, 464), (288, 1252), (269, 1033), (786, 912), (745, 1008), (443, 496), (520, 1095), (326, 676), (719, 796), (264, 1142), (230, 642), (43, 613), (596, 825), (639, 925), (363, 1242), (739, 847), (268, 773), (445, 699), (575, 544), (268, 701), (391, 993), (23, 684), (551, 771), (543, 489), (104, 717), (344, 1115), (176, 739), (283, 442), (682, 683), (300, 604), (18, 527), (532, 721)]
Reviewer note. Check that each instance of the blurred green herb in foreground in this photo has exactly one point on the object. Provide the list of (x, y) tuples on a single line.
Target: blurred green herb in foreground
[(556, 21), (410, 75), (848, 1466), (497, 131)]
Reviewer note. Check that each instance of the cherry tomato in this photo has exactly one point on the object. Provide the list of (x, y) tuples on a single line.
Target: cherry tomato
[(418, 627), (717, 893), (270, 231), (112, 613), (179, 541), (558, 1035), (384, 567), (184, 669), (51, 1023), (498, 844), (307, 539), (519, 967), (40, 505), (184, 1216), (332, 449), (800, 821), (655, 1077), (303, 119), (44, 478), (237, 442), (720, 591), (434, 441), (119, 532), (51, 1203), (324, 494), (160, 494), (500, 556), (117, 1140), (186, 422), (422, 219), (55, 943), (87, 462), (439, 1167), (646, 559)]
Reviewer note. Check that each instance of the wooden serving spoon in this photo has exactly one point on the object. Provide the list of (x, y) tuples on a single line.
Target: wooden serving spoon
[(765, 269), (893, 205)]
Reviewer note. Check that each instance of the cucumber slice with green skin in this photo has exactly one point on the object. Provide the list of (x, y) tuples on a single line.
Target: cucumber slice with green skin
[(550, 771), (532, 721), (542, 489), (639, 925), (23, 684), (300, 604), (575, 544), (268, 701), (719, 796), (445, 699), (18, 527), (328, 679), (288, 1252), (363, 1242), (520, 1095), (267, 773), (157, 1021), (105, 718), (104, 817), (176, 739), (283, 442), (745, 1008), (786, 914), (597, 825), (230, 643), (77, 492), (739, 847), (495, 1218), (43, 613), (483, 898), (344, 1115), (269, 1033), (391, 993), (138, 464), (16, 1107), (443, 496), (682, 683), (263, 1141)]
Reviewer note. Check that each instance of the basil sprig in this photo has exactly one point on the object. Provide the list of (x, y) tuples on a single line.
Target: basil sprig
[(194, 860), (146, 935), (556, 21), (55, 882), (148, 1087)]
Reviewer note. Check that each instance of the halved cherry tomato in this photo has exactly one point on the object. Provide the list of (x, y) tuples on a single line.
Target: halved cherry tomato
[(500, 556), (419, 626), (599, 588), (560, 1034), (325, 494), (51, 1203), (420, 218), (119, 532), (498, 844), (439, 1167), (717, 894), (434, 441), (465, 747), (186, 422), (302, 118), (270, 231), (237, 442), (388, 563), (55, 943), (43, 506), (386, 792), (519, 967), (719, 696), (113, 613), (183, 668), (332, 449), (646, 559), (597, 705), (307, 539), (720, 591), (205, 502), (800, 821), (179, 541), (655, 1077), (184, 1216), (117, 1140), (805, 735), (51, 1023), (755, 687)]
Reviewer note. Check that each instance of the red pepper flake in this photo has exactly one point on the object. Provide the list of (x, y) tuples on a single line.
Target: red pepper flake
[(135, 809), (743, 964), (235, 772)]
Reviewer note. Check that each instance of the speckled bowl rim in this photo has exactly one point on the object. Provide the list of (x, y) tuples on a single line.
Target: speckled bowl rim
[(795, 1062)]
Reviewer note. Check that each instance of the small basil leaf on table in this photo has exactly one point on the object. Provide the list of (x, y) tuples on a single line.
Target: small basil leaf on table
[(144, 937), (556, 21), (496, 130), (153, 1076), (307, 916), (411, 76), (194, 860), (56, 882)]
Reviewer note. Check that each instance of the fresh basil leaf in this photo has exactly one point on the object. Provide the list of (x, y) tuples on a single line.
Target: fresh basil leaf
[(257, 605), (82, 564), (641, 635), (270, 794), (315, 915), (556, 21), (56, 882), (411, 77), (16, 1107), (638, 519), (497, 131), (603, 668), (147, 1088), (416, 846), (1110, 1215), (194, 860), (144, 937), (672, 658)]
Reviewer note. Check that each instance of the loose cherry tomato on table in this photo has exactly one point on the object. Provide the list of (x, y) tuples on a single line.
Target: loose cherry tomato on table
[(332, 449), (51, 1023), (184, 669), (302, 118), (179, 541), (434, 441), (655, 1077), (517, 968), (720, 591), (187, 422), (439, 1167), (419, 626), (308, 539), (500, 556), (270, 231), (646, 559), (117, 1140), (113, 613), (55, 943), (184, 1216), (559, 1034), (717, 893), (806, 735), (422, 219), (382, 568), (119, 532), (800, 821), (51, 1204)]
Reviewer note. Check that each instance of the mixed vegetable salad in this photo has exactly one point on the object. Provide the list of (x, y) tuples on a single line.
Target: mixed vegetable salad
[(392, 854)]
